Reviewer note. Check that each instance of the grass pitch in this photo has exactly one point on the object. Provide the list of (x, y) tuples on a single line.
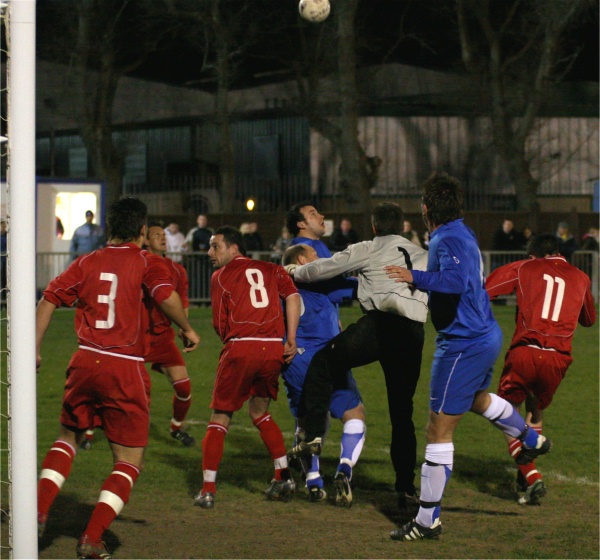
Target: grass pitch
[(480, 515)]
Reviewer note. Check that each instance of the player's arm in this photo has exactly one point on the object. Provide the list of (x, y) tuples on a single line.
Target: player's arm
[(292, 315), (172, 308), (587, 316), (503, 280), (43, 316), (353, 258)]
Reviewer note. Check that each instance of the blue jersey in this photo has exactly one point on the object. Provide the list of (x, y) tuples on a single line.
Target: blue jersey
[(455, 280), (319, 321)]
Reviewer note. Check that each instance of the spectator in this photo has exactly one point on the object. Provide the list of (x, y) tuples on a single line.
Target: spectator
[(252, 239), (507, 238), (60, 229), (175, 241), (566, 242), (410, 234), (198, 238), (590, 240), (198, 265), (527, 235), (343, 235), (282, 243), (87, 237)]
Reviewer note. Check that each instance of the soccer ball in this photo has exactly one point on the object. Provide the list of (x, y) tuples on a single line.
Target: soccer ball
[(314, 11)]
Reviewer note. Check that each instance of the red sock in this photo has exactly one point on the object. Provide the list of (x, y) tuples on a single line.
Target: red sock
[(182, 400), (113, 497), (273, 440), (55, 470), (212, 453), (514, 447)]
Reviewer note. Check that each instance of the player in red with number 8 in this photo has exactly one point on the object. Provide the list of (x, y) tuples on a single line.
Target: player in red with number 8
[(248, 316), (552, 297)]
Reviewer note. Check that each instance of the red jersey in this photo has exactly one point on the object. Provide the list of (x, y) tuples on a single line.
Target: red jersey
[(552, 297), (245, 298), (159, 322), (108, 287)]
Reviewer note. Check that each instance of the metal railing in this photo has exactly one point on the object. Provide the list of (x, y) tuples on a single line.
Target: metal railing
[(200, 270)]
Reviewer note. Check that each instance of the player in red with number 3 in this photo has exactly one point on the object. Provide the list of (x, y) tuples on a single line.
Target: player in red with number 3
[(248, 316), (106, 376), (552, 297)]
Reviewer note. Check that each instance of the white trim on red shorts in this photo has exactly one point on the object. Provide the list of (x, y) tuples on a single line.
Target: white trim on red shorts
[(134, 358)]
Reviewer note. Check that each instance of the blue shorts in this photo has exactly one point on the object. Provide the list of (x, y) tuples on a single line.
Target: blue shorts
[(461, 368), (342, 399)]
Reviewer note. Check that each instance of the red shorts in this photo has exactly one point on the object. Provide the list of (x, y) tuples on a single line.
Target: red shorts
[(247, 368), (164, 351), (532, 370), (115, 389)]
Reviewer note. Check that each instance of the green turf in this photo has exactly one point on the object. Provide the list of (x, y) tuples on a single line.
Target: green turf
[(479, 502)]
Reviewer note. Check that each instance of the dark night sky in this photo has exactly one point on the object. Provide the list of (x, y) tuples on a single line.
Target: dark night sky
[(433, 44)]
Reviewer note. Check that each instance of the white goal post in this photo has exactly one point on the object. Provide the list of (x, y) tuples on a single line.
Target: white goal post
[(22, 402)]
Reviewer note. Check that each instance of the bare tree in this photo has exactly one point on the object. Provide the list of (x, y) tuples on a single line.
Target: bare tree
[(516, 50), (328, 96), (113, 38), (224, 31)]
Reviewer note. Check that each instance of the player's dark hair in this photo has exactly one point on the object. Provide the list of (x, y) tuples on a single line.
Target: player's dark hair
[(232, 236), (387, 219), (443, 196), (543, 244), (156, 223), (125, 219), (295, 215), (291, 254)]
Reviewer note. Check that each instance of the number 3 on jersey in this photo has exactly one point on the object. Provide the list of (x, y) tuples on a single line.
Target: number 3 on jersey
[(258, 293), (560, 294), (109, 300)]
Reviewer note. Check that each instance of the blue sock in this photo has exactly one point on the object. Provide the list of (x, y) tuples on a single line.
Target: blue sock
[(346, 469), (353, 439), (435, 473), (313, 477), (529, 438), (505, 417)]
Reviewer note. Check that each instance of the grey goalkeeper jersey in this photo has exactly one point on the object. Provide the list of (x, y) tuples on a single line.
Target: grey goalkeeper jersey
[(375, 289)]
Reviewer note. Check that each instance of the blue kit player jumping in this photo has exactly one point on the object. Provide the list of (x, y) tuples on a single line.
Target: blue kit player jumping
[(467, 346), (319, 323)]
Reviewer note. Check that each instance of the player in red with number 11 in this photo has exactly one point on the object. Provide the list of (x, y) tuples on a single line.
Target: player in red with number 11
[(552, 297)]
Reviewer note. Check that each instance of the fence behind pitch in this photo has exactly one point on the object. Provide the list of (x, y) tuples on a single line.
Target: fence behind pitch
[(199, 268)]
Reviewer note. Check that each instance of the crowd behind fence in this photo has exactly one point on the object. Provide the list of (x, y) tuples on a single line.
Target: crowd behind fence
[(199, 268)]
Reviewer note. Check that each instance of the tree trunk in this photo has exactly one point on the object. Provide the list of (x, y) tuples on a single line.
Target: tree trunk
[(353, 182), (225, 152)]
